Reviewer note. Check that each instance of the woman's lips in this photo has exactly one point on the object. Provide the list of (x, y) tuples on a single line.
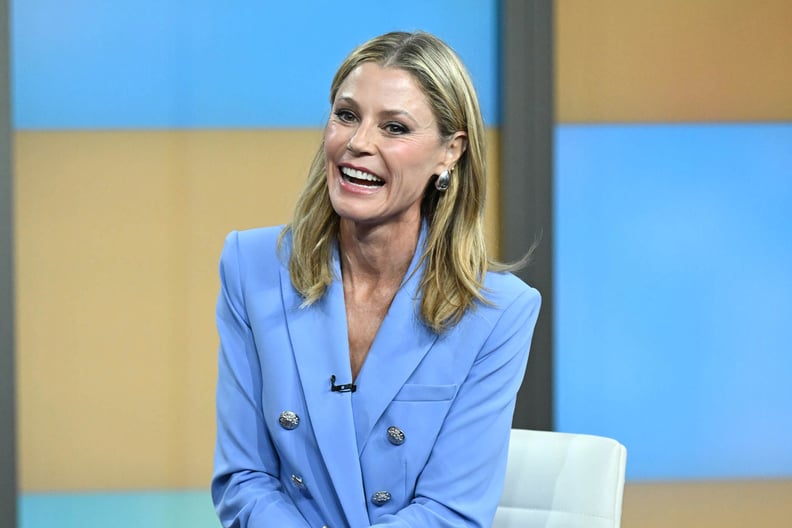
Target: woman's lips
[(361, 178)]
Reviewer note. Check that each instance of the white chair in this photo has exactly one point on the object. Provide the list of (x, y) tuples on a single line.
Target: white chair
[(562, 480)]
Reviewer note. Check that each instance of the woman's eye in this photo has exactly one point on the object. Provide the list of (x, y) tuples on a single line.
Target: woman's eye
[(396, 128), (345, 115)]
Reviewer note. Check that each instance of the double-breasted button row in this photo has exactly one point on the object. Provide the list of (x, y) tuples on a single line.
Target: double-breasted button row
[(396, 437), (289, 420)]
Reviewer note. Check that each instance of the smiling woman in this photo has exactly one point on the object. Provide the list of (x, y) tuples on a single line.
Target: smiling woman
[(420, 73), (383, 282)]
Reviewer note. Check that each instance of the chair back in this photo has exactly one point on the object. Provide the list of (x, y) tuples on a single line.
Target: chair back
[(562, 480)]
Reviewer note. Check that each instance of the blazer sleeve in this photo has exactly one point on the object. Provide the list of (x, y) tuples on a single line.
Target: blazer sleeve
[(245, 487), (462, 482)]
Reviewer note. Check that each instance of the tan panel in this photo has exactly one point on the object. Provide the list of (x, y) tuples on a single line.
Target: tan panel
[(492, 224), (118, 237), (117, 246), (707, 504), (673, 60)]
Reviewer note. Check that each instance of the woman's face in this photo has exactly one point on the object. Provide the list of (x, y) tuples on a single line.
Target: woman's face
[(382, 146)]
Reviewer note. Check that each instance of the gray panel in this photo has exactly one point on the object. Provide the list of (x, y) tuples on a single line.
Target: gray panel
[(7, 405), (526, 182)]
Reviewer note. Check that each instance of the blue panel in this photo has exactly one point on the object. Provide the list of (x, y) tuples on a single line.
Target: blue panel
[(674, 295), (202, 63), (149, 509)]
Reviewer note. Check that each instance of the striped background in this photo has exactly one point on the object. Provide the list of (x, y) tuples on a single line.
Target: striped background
[(147, 130)]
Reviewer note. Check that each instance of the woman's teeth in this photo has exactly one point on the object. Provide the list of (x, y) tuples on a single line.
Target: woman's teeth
[(360, 177)]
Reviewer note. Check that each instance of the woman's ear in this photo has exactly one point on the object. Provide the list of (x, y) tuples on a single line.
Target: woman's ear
[(455, 148)]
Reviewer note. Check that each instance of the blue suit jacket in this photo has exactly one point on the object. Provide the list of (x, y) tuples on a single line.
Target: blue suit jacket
[(452, 395)]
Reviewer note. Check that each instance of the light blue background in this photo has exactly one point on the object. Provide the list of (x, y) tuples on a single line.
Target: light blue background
[(89, 64), (673, 289)]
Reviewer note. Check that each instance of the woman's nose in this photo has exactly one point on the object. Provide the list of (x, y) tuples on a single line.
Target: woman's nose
[(362, 140)]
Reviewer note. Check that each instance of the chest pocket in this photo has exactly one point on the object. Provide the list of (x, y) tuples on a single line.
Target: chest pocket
[(421, 410)]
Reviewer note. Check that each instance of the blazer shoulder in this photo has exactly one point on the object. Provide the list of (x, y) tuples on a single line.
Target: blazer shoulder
[(253, 251), (255, 244), (259, 239), (504, 288)]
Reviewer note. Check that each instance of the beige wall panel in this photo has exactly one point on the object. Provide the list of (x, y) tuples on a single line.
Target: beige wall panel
[(708, 504), (492, 207), (118, 238), (673, 60)]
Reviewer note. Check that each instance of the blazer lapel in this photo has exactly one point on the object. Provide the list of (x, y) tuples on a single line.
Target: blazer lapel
[(401, 343), (321, 348)]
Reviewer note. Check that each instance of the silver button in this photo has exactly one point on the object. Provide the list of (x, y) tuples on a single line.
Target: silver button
[(380, 498), (289, 420), (298, 482), (395, 435)]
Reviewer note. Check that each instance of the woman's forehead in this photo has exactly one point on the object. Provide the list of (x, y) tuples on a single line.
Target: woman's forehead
[(392, 89)]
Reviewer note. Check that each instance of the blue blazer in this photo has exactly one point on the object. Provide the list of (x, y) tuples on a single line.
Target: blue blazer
[(450, 395)]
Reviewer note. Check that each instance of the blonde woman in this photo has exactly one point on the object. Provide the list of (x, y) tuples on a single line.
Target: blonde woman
[(371, 350)]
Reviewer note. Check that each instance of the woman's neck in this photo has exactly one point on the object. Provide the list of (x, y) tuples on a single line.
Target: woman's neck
[(376, 256)]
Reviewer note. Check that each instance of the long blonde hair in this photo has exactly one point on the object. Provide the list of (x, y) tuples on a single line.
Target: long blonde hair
[(455, 255)]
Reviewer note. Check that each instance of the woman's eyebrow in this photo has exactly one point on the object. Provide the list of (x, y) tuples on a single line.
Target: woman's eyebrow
[(398, 113)]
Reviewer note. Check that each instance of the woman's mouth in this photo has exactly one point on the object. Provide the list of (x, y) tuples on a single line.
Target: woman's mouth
[(358, 177)]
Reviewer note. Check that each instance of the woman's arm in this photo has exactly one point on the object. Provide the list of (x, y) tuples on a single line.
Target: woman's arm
[(245, 486)]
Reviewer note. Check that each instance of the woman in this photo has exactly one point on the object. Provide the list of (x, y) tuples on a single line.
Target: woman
[(369, 361)]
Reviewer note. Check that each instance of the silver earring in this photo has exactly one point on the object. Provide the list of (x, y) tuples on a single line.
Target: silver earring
[(443, 181)]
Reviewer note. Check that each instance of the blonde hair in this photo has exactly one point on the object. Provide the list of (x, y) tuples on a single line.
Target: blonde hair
[(455, 256)]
